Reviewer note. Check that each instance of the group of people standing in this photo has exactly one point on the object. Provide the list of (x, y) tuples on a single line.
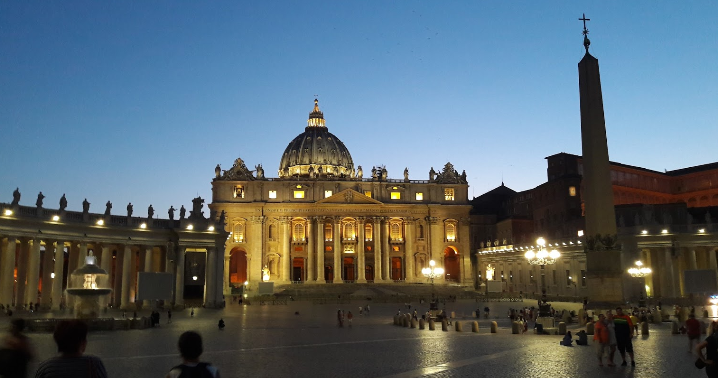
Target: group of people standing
[(613, 332)]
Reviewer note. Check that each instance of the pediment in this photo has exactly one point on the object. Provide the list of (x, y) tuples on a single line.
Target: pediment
[(349, 197)]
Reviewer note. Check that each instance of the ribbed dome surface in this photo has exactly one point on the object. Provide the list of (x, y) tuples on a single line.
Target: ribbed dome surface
[(316, 152)]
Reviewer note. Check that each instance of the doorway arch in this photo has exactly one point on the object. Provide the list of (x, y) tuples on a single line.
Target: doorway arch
[(451, 265), (237, 267)]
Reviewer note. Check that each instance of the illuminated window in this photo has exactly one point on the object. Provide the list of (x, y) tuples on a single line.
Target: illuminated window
[(368, 232), (239, 191), (349, 231), (419, 196), (572, 191), (328, 232), (298, 232), (272, 194), (450, 232), (327, 193), (449, 194), (368, 193), (395, 195), (238, 233), (298, 194)]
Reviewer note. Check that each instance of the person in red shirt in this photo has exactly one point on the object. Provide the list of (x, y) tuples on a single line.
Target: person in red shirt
[(694, 330), (600, 336)]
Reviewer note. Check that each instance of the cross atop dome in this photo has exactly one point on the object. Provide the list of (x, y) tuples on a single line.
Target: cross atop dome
[(316, 117)]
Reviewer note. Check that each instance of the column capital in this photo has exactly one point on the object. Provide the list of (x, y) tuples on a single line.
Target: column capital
[(257, 219), (361, 219), (285, 220), (408, 220), (432, 220)]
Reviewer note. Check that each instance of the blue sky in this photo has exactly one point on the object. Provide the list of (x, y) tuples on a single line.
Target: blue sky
[(138, 101)]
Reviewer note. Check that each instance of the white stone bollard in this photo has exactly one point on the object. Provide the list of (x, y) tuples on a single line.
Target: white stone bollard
[(475, 327), (432, 325), (644, 328), (561, 328), (422, 324), (457, 326), (494, 327), (444, 325)]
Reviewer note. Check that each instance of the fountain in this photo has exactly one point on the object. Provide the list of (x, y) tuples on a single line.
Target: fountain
[(88, 284)]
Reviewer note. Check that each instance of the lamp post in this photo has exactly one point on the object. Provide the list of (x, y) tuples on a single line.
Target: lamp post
[(640, 271), (432, 271), (542, 258)]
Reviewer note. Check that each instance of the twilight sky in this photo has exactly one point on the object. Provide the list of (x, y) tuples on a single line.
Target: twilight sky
[(138, 101)]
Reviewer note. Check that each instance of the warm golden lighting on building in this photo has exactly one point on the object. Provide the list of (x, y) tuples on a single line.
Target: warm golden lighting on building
[(572, 191), (239, 191), (449, 194), (272, 194), (298, 194), (368, 193), (328, 193), (395, 195), (419, 196)]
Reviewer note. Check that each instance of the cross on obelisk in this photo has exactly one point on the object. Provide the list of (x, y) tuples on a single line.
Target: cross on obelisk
[(586, 41)]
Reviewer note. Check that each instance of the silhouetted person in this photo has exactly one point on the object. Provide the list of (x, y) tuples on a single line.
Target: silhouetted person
[(16, 352), (71, 339), (220, 324), (190, 347)]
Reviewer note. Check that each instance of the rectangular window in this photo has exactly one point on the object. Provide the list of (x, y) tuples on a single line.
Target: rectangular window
[(367, 193), (395, 195), (272, 194), (327, 193), (239, 191), (298, 194), (449, 194), (583, 278), (419, 196), (572, 191)]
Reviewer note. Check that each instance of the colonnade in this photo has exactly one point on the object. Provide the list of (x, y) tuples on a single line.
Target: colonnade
[(33, 270)]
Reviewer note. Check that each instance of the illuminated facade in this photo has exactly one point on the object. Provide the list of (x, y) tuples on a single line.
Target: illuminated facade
[(322, 222)]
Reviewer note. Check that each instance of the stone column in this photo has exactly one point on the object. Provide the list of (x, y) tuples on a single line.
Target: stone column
[(147, 303), (179, 277), (691, 254), (7, 269), (361, 251), (57, 281), (83, 254), (257, 243), (311, 229), (437, 239), (209, 286), (387, 250), (377, 249), (106, 265), (286, 274), (21, 273), (409, 250), (47, 270), (126, 278), (320, 251), (337, 251), (33, 272), (667, 289)]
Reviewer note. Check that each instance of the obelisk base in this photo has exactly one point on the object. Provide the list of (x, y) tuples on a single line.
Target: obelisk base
[(604, 278)]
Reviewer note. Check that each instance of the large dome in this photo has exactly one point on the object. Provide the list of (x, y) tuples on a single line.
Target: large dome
[(316, 152)]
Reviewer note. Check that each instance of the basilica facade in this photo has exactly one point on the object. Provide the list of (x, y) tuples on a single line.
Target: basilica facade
[(321, 221)]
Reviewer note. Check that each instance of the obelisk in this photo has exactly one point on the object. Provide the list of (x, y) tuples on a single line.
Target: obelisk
[(603, 255)]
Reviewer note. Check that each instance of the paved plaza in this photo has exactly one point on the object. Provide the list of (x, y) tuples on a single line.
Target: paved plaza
[(271, 341)]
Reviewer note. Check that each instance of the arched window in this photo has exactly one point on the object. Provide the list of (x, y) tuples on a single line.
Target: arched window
[(368, 232), (238, 233), (349, 231), (395, 230), (420, 231), (450, 232), (328, 232), (298, 232)]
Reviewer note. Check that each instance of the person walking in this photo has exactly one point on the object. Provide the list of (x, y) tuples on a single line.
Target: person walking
[(350, 317), (190, 348), (693, 327), (600, 336), (624, 333), (611, 327), (71, 339)]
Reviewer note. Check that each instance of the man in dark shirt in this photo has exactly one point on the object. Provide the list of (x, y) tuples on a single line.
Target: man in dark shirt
[(694, 330), (71, 339), (624, 333)]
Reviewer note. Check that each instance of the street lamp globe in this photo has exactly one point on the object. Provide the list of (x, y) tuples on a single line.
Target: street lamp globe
[(554, 254), (530, 255)]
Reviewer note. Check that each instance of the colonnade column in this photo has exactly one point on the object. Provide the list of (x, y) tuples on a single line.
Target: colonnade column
[(126, 261), (179, 277), (57, 281), (437, 240), (47, 270), (21, 273), (33, 272), (361, 252), (148, 268), (106, 265), (321, 278), (285, 274), (377, 249), (310, 250), (692, 264), (409, 250), (387, 251), (7, 268), (83, 254), (256, 242), (337, 251), (209, 280)]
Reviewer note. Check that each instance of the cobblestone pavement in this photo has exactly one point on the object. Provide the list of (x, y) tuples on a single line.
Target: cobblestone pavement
[(271, 341)]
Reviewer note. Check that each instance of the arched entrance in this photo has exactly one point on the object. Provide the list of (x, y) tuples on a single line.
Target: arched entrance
[(396, 268), (451, 264), (298, 269), (237, 267), (369, 273), (349, 269)]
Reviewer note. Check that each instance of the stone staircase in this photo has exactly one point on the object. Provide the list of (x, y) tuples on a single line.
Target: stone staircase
[(402, 291)]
